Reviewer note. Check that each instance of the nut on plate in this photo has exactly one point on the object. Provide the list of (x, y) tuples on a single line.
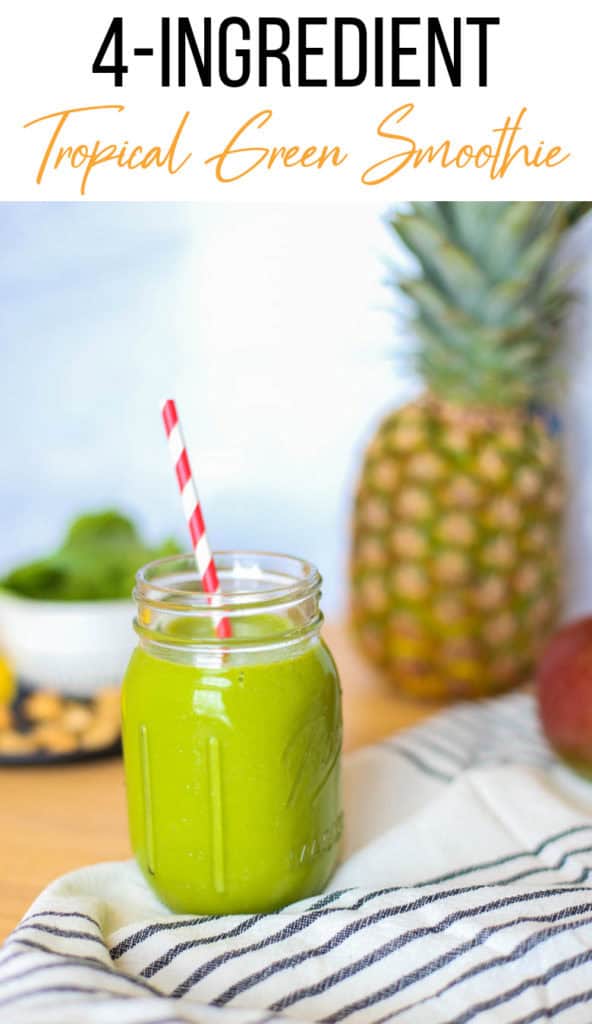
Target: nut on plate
[(102, 733), (16, 744), (108, 702), (43, 706), (54, 739), (76, 717), (5, 717)]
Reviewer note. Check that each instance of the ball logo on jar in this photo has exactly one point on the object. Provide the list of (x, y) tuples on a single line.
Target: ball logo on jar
[(311, 755)]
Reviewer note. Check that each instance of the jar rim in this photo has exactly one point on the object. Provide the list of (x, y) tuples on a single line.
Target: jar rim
[(274, 578)]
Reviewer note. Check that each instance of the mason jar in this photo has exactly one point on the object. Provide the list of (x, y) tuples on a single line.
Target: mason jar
[(232, 743)]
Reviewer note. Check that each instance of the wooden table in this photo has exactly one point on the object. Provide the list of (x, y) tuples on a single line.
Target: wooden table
[(53, 820)]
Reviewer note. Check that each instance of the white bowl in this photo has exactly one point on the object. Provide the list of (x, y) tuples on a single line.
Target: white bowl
[(71, 646)]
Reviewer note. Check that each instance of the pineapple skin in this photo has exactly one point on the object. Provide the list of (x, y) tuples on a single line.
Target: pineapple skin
[(455, 565)]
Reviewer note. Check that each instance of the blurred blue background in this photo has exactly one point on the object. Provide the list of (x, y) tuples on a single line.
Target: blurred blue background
[(272, 327)]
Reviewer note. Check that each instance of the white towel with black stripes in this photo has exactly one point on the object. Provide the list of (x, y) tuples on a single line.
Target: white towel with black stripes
[(465, 894)]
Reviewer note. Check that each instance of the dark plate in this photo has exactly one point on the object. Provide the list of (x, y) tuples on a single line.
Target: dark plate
[(22, 724)]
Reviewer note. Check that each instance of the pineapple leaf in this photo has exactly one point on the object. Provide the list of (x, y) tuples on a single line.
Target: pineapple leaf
[(512, 232), (450, 269), (490, 303)]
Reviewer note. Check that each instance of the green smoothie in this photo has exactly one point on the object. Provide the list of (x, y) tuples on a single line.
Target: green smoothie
[(233, 769)]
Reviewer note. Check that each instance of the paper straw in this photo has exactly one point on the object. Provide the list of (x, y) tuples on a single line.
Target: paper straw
[(193, 514)]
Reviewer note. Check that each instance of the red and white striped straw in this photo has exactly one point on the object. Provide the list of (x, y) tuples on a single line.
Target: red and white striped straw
[(193, 514)]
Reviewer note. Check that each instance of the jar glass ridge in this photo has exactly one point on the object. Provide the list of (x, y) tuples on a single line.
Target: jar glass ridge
[(253, 585)]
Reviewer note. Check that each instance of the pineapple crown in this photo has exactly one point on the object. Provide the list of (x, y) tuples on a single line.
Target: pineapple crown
[(490, 301)]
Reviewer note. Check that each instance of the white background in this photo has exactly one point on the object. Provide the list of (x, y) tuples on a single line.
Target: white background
[(283, 357), (279, 353), (538, 57)]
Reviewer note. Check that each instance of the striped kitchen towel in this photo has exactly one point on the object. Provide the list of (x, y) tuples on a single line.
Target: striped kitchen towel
[(465, 894)]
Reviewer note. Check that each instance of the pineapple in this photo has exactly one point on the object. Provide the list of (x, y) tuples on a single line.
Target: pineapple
[(455, 566)]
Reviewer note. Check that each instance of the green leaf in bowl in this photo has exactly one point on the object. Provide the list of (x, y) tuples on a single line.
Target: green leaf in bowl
[(97, 561)]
